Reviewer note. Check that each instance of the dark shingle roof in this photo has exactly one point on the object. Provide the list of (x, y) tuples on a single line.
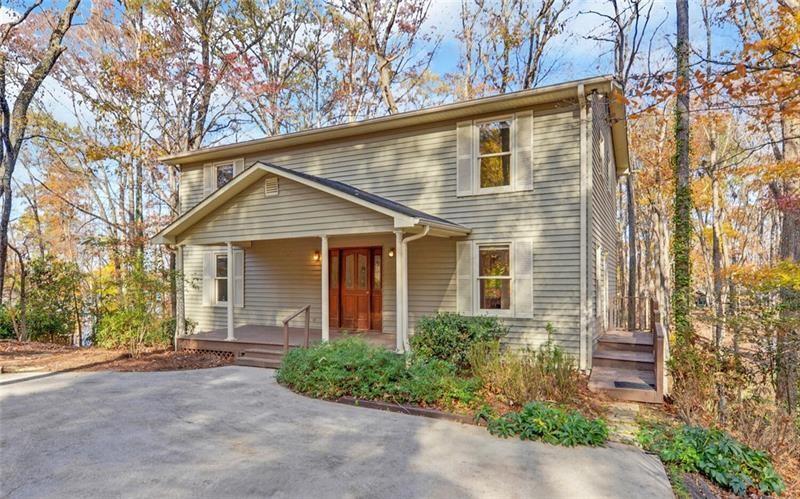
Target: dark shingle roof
[(366, 196)]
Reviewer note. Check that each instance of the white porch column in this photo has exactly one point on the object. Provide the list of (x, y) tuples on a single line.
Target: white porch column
[(180, 309), (229, 280), (325, 288), (400, 284)]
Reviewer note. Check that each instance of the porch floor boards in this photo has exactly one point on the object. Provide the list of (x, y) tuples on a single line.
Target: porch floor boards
[(252, 336)]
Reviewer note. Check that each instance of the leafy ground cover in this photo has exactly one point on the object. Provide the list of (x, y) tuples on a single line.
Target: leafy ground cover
[(714, 454), (550, 424)]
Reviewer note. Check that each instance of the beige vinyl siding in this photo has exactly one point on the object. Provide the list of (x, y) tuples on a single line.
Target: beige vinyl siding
[(298, 211), (418, 168), (604, 212), (431, 277), (190, 189)]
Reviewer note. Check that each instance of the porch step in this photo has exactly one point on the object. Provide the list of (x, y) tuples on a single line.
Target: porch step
[(609, 356), (264, 352), (633, 341), (632, 385), (261, 357), (257, 362)]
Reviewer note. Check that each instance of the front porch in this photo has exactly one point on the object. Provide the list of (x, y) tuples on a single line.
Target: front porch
[(273, 240), (255, 337)]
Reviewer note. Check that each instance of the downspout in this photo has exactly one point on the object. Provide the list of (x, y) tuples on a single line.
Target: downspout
[(404, 305), (584, 308)]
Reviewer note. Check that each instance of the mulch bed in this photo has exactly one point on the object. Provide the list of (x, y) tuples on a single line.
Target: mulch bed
[(34, 356)]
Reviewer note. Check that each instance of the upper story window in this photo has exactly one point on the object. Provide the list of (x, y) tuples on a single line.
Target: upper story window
[(494, 277), (494, 154), (224, 173)]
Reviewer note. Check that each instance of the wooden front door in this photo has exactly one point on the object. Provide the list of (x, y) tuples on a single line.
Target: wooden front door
[(355, 289)]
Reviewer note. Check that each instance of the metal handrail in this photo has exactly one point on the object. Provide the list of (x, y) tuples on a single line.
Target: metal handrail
[(307, 310)]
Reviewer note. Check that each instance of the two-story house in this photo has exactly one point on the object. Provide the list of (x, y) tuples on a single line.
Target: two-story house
[(503, 206)]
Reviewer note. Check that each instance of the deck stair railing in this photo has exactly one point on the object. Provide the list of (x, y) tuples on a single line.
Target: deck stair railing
[(660, 351), (633, 313), (307, 311)]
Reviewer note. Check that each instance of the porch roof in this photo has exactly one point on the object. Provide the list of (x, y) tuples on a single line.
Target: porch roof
[(403, 216)]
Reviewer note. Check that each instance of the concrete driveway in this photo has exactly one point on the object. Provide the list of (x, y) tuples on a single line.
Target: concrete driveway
[(234, 432)]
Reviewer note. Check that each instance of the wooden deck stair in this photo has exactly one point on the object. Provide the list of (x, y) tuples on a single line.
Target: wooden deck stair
[(624, 366), (261, 357)]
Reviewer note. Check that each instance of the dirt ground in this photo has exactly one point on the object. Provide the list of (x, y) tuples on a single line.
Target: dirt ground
[(18, 356)]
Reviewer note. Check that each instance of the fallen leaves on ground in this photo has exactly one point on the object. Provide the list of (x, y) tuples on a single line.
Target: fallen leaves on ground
[(33, 356)]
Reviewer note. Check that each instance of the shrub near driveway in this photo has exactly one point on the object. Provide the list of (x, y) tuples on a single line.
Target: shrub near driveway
[(516, 377), (351, 367), (448, 336)]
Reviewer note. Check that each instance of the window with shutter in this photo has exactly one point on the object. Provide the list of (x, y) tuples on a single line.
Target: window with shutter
[(217, 271), (495, 155)]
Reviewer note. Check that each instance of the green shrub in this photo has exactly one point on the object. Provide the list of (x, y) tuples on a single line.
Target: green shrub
[(554, 425), (351, 367), (6, 324), (516, 377), (713, 453), (132, 329), (448, 336), (133, 318)]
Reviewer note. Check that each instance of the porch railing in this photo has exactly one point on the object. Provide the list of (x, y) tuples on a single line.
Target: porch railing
[(633, 313), (307, 311)]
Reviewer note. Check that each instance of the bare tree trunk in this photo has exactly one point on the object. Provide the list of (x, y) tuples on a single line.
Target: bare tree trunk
[(22, 326), (631, 253), (14, 122), (719, 316)]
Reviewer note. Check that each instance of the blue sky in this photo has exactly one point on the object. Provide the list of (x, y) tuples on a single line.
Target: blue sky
[(576, 55)]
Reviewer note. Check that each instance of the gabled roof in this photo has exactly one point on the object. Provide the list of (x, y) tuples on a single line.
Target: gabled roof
[(404, 216), (448, 112)]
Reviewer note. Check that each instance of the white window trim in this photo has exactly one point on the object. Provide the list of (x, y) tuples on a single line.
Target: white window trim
[(476, 273), (216, 302), (216, 166), (476, 156)]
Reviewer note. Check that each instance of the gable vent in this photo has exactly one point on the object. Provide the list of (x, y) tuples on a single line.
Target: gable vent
[(271, 187)]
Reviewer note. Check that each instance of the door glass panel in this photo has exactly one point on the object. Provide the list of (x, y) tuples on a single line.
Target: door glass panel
[(334, 281), (363, 268), (376, 271), (349, 264)]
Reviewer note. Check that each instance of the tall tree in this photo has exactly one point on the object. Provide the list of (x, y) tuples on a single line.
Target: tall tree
[(505, 44), (391, 32), (765, 76), (682, 221), (14, 117)]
